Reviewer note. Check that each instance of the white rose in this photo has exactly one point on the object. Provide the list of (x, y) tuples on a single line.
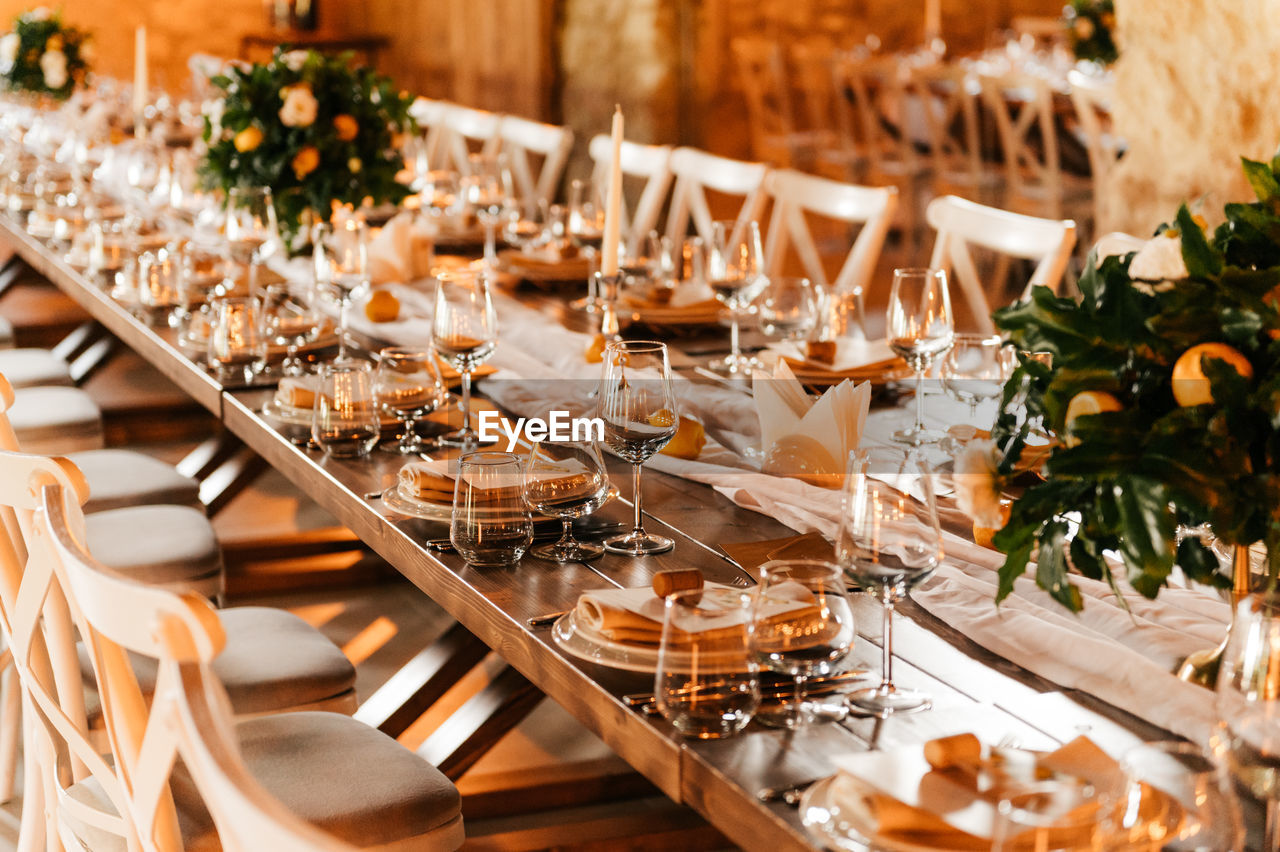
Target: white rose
[(8, 52), (294, 60), (300, 106), (213, 109), (54, 67), (1159, 261), (40, 13), (977, 483)]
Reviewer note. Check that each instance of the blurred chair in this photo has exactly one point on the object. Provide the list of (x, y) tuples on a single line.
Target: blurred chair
[(465, 130), (1041, 31), (551, 143), (946, 98), (775, 137), (1091, 98), (696, 172), (650, 163), (795, 196), (961, 224), (339, 775), (430, 116)]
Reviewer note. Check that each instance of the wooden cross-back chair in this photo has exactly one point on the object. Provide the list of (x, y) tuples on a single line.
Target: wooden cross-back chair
[(775, 134), (796, 196), (947, 97), (466, 131), (650, 163), (1091, 98), (960, 224), (696, 172), (522, 140)]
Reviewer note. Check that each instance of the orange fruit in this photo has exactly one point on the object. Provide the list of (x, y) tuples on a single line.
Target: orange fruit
[(1084, 403), (382, 306), (983, 536), (1190, 386), (689, 439), (662, 417), (595, 349)]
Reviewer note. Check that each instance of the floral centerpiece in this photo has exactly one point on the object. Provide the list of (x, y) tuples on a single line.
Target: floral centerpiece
[(42, 55), (312, 128), (1163, 388), (1091, 26)]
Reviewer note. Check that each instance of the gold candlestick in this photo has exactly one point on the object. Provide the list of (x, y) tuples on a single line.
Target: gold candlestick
[(1202, 666)]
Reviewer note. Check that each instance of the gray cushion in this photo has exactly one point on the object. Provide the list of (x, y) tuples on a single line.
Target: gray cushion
[(25, 368), (7, 338), (272, 661), (172, 546), (120, 478), (339, 774), (55, 421)]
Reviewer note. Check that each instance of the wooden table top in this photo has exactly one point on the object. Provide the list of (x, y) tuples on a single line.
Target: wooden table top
[(971, 687)]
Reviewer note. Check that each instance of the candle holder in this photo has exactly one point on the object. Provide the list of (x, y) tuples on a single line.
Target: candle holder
[(606, 288)]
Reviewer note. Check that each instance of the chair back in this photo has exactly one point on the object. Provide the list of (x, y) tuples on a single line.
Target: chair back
[(1023, 108), (959, 224), (1091, 99), (947, 98), (467, 129), (650, 163), (522, 140), (430, 116), (770, 116), (811, 61), (870, 118), (189, 714), (796, 194), (697, 171)]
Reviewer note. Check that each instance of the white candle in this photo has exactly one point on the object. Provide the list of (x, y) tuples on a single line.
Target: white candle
[(139, 73), (613, 203), (932, 20)]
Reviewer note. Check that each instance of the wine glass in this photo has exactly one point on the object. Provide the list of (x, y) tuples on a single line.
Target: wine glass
[(464, 332), (638, 406), (888, 542), (342, 266), (252, 232), (920, 328), (801, 625), (1249, 703), (288, 322), (1176, 798), (566, 480), (974, 372), (789, 308), (584, 227), (736, 276), (408, 386), (487, 190)]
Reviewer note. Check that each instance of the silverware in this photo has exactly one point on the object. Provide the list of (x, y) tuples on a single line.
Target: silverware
[(789, 793), (375, 495), (544, 620)]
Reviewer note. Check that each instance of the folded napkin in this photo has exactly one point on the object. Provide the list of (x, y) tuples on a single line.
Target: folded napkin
[(806, 439), (425, 481), (297, 391), (752, 554), (402, 250)]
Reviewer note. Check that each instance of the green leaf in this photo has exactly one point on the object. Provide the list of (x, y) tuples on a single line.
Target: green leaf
[(1051, 567), (1202, 260), (1147, 526), (1262, 178)]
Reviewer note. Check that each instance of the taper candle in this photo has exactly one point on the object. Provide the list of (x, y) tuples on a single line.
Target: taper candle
[(613, 203)]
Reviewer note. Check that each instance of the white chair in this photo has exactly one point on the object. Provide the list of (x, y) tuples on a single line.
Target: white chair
[(520, 138), (464, 129), (430, 116), (960, 224), (1091, 98), (277, 774), (650, 163), (795, 195), (697, 171)]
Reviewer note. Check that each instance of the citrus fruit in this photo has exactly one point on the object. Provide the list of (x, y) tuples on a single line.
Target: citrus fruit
[(1084, 403), (1190, 386), (595, 350), (382, 306), (689, 439)]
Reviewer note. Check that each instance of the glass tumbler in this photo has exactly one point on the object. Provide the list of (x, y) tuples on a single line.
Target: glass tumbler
[(491, 525), (345, 418), (236, 348), (160, 286), (707, 685)]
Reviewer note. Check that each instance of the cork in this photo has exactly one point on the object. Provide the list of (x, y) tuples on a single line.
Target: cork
[(948, 752), (667, 583)]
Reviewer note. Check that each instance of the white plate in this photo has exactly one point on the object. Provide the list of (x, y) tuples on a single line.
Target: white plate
[(846, 831), (586, 644), (397, 502)]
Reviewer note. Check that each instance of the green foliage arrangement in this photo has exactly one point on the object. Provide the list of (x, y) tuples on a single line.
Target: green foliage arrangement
[(43, 56), (312, 128), (1091, 26), (1122, 481)]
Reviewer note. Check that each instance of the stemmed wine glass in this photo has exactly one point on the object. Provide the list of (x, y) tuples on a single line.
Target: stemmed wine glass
[(889, 541), (638, 406), (252, 232), (408, 385), (487, 190), (789, 308), (342, 267), (1249, 703), (464, 332), (288, 322), (920, 328), (736, 276), (801, 625), (566, 480), (584, 226), (974, 372)]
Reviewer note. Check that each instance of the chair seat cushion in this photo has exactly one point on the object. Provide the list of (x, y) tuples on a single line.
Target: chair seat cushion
[(272, 661), (336, 773), (55, 421), (119, 478), (172, 546), (25, 368)]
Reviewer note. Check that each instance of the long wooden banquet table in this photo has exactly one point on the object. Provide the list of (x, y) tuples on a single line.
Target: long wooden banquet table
[(972, 688)]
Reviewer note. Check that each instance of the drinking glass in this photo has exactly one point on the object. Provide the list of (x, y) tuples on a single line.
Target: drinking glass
[(789, 308), (342, 266), (566, 480), (160, 286), (637, 403), (408, 386), (487, 190), (1061, 814), (236, 348), (252, 233), (707, 686), (491, 525), (1249, 703), (584, 226), (442, 197), (801, 625), (920, 328), (464, 332), (288, 322), (1176, 798), (736, 276), (345, 418), (888, 542), (974, 372)]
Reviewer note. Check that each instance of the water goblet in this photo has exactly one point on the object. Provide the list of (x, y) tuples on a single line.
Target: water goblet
[(288, 322), (566, 480), (888, 541), (491, 526), (637, 403), (1176, 798), (341, 255), (345, 418), (920, 328), (487, 190), (736, 275), (788, 308), (464, 332), (408, 386), (974, 372), (251, 229)]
